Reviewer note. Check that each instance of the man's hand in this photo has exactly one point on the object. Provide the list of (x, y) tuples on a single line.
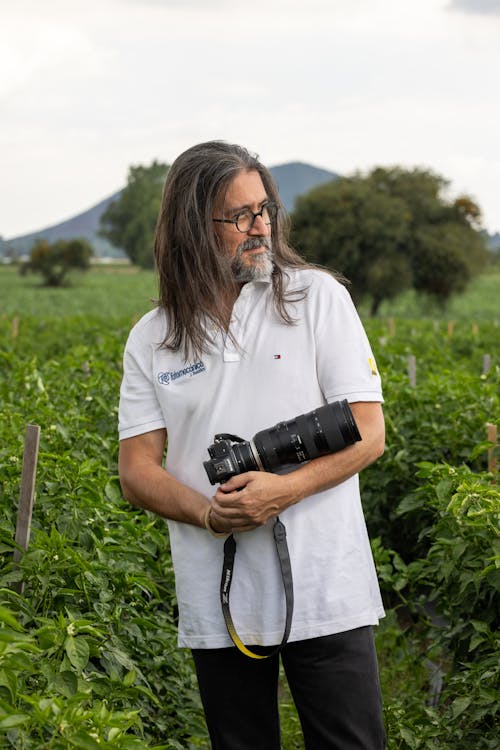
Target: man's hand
[(249, 500)]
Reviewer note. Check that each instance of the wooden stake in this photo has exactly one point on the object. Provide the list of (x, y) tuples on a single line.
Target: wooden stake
[(412, 370), (15, 327), (392, 327), (486, 363), (492, 437), (27, 492)]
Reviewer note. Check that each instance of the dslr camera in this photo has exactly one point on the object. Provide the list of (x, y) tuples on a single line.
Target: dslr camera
[(328, 429)]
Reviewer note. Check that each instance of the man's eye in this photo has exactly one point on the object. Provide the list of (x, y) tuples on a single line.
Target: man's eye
[(243, 216)]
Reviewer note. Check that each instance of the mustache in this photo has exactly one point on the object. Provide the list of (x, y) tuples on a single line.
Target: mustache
[(253, 243)]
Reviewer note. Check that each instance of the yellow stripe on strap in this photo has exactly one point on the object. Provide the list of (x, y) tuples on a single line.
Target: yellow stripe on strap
[(279, 533)]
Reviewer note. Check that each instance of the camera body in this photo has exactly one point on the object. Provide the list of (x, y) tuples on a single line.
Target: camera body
[(328, 429), (226, 460)]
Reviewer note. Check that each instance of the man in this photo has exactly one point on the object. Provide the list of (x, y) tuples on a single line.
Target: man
[(247, 335)]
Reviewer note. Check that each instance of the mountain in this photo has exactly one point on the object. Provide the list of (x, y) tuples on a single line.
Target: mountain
[(84, 225), (293, 179), (494, 242), (297, 178)]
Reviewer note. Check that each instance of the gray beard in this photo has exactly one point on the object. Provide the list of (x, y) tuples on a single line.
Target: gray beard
[(259, 268)]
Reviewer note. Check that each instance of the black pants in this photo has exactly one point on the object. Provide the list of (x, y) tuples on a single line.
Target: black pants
[(333, 680)]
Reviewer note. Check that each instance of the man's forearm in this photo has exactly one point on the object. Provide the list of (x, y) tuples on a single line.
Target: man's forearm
[(327, 471), (152, 488)]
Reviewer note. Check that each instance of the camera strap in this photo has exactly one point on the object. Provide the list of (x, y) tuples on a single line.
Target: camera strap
[(279, 533)]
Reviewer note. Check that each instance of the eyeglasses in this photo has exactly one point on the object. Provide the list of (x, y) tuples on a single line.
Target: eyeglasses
[(244, 220)]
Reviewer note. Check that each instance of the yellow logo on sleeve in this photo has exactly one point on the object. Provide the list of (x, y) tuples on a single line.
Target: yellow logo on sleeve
[(373, 366)]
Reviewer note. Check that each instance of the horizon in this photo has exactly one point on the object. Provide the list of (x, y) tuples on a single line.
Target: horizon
[(116, 192), (94, 205)]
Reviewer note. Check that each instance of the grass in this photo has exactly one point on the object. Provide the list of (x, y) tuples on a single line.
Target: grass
[(114, 291), (127, 291), (478, 302)]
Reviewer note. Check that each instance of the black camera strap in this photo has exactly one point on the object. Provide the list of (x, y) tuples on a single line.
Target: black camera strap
[(279, 533)]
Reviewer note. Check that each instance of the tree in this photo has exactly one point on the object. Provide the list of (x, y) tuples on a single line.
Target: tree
[(449, 255), (55, 261), (129, 222), (360, 232), (390, 231)]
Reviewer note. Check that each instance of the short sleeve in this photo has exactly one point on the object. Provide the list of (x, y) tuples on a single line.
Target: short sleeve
[(345, 363), (139, 409)]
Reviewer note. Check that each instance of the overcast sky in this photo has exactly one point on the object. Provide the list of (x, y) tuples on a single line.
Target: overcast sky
[(89, 87)]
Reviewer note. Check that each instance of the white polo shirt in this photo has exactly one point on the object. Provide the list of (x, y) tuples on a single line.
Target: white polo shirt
[(277, 372)]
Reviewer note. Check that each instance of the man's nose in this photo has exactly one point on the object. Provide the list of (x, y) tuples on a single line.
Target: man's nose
[(259, 227)]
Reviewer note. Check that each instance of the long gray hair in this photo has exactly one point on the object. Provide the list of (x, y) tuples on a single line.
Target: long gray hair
[(194, 275)]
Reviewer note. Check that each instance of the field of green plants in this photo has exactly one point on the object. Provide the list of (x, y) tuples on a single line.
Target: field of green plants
[(88, 655)]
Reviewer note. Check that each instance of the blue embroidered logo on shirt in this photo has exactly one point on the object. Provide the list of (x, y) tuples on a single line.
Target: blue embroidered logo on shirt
[(165, 378)]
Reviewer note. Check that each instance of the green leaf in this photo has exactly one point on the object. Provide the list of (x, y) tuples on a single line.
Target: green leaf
[(459, 705), (129, 678), (66, 683), (84, 742), (77, 650), (443, 489), (134, 743), (121, 657), (9, 681), (475, 641), (480, 626), (408, 737), (8, 618), (16, 642), (409, 504), (14, 720), (113, 492)]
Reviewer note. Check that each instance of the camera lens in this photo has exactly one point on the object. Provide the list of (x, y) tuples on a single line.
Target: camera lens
[(244, 457), (325, 430)]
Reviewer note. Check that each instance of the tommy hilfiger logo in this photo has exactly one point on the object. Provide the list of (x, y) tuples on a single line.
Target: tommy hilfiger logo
[(165, 378)]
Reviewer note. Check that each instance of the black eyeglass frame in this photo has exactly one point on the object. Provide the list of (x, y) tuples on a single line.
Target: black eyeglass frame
[(271, 207)]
